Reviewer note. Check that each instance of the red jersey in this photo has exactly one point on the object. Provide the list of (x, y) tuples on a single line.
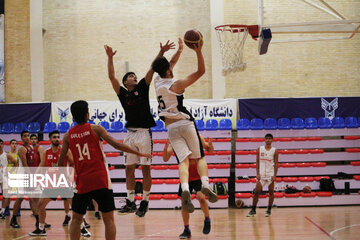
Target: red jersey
[(36, 157), (193, 173), (90, 165), (51, 158), (32, 156)]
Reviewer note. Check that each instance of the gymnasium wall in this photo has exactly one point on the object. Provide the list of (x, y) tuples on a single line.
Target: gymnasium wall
[(75, 61), (17, 51)]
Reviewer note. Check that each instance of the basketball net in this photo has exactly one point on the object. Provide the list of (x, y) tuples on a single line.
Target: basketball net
[(232, 40)]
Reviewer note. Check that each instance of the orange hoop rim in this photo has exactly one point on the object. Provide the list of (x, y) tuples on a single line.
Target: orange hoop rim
[(252, 29)]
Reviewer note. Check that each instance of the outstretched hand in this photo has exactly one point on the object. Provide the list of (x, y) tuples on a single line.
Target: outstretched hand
[(181, 45), (198, 46), (167, 46), (109, 51)]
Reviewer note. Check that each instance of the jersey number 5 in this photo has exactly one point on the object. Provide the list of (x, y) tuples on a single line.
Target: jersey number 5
[(84, 152), (161, 102)]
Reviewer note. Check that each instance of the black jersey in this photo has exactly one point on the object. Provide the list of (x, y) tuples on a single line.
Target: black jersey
[(137, 106)]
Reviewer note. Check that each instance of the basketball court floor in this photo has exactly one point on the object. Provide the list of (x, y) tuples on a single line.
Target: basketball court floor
[(295, 223)]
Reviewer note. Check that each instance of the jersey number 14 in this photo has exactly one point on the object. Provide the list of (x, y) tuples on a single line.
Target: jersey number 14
[(83, 152)]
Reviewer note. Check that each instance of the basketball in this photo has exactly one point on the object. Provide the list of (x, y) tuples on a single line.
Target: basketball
[(239, 203), (192, 38), (307, 189)]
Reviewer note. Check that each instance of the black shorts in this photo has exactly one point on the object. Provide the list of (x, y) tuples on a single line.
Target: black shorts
[(194, 186), (104, 198)]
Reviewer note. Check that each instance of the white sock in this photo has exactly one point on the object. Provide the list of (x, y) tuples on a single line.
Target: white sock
[(185, 186), (2, 210), (205, 181), (68, 214), (41, 226), (131, 195), (146, 195), (83, 225)]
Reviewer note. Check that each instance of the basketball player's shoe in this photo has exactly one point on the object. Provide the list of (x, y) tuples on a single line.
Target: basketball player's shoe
[(213, 197), (268, 213), (207, 226), (86, 224), (186, 202), (13, 222), (144, 206), (38, 232), (85, 232), (2, 215), (66, 220), (97, 215), (129, 207), (47, 225), (252, 213), (185, 235)]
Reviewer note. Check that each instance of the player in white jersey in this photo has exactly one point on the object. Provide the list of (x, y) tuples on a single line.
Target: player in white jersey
[(3, 165), (266, 170), (182, 131)]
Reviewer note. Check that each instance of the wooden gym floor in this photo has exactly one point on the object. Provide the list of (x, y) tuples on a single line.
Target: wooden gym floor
[(284, 223)]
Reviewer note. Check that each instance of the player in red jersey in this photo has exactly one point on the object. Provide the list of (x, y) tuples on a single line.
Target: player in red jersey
[(50, 159), (92, 181), (194, 184), (26, 154), (38, 150)]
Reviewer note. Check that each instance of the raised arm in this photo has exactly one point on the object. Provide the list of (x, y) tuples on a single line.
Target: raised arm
[(114, 81), (180, 85), (163, 49), (176, 56), (101, 132)]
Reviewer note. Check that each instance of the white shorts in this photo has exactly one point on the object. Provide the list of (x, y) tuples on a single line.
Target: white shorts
[(265, 181), (141, 140), (185, 140)]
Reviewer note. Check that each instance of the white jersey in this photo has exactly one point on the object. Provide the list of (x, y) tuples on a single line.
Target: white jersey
[(266, 159), (3, 164), (170, 103)]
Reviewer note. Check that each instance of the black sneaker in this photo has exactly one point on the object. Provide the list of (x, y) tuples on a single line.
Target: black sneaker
[(86, 224), (85, 232), (67, 220), (144, 207), (252, 213), (7, 211), (130, 207), (186, 202), (2, 215), (268, 213), (207, 227), (13, 223), (97, 215), (47, 225), (38, 232), (185, 235)]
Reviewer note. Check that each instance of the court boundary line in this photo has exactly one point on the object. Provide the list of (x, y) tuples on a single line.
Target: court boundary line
[(338, 229), (320, 228)]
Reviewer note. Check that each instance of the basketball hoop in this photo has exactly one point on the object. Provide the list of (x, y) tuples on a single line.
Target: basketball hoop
[(232, 40)]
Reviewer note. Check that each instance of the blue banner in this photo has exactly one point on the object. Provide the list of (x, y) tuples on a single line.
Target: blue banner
[(329, 107), (25, 112)]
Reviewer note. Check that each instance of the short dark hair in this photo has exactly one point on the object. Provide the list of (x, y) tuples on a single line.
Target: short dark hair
[(161, 65), (269, 135), (79, 109), (1, 141), (126, 76), (23, 132), (13, 140), (54, 132), (33, 135)]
